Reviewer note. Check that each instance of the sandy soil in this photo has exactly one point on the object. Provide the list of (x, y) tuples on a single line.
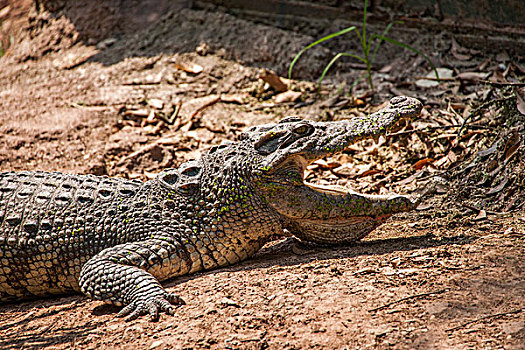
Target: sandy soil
[(432, 279)]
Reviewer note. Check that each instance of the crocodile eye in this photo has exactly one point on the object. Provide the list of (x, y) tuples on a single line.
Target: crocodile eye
[(303, 129)]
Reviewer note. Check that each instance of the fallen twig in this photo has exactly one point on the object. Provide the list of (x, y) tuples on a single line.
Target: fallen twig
[(167, 140), (193, 117), (407, 298), (484, 318), (171, 119), (473, 208), (497, 83), (435, 79), (204, 106)]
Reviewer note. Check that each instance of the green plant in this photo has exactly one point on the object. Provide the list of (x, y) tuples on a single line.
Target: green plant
[(366, 43)]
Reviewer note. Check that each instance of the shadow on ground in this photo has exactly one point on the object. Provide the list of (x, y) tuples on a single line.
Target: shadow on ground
[(292, 252)]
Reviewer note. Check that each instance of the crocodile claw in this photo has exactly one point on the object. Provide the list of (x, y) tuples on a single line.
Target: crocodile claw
[(151, 306)]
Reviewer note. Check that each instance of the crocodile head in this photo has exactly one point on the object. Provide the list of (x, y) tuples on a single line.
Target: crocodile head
[(302, 142), (280, 152)]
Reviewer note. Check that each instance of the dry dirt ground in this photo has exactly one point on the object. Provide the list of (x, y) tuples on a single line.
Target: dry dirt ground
[(438, 278)]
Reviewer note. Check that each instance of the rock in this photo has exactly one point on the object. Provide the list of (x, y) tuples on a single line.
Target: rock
[(513, 327), (156, 344), (156, 103)]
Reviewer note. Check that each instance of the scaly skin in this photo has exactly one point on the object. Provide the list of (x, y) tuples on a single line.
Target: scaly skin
[(115, 239)]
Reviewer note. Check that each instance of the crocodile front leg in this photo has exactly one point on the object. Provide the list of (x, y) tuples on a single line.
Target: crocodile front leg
[(129, 274), (330, 216)]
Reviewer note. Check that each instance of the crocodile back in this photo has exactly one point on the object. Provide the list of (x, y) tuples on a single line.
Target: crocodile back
[(51, 224)]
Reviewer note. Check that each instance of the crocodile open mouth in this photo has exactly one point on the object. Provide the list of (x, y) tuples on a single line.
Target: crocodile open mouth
[(343, 229), (339, 215)]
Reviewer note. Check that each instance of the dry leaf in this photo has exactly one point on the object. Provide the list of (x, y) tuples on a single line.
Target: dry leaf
[(519, 67), (386, 69), (365, 271), (512, 145), (273, 80), (498, 188), (142, 113), (429, 79), (455, 51), (192, 68), (488, 151), (407, 272), (359, 102), (443, 162), (497, 77), (369, 172), (323, 164), (333, 164), (288, 96), (520, 100), (484, 65), (234, 98), (460, 56), (409, 179), (482, 215), (420, 164), (472, 76), (452, 157), (209, 101), (345, 170), (5, 11)]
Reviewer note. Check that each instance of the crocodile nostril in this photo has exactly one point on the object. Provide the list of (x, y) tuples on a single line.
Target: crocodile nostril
[(169, 177), (191, 171)]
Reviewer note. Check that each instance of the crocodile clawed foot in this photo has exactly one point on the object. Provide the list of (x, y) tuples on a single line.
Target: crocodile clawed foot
[(151, 305)]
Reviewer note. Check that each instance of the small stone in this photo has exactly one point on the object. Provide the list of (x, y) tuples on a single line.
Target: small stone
[(225, 302), (104, 44), (513, 327), (113, 327), (156, 344), (407, 272), (156, 103), (133, 329), (203, 49)]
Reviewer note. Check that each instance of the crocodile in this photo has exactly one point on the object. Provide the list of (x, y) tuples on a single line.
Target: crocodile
[(115, 239)]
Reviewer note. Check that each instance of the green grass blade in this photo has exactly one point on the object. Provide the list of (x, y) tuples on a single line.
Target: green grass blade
[(336, 57), (400, 44), (363, 42), (328, 37), (376, 48), (368, 44), (360, 37)]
